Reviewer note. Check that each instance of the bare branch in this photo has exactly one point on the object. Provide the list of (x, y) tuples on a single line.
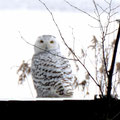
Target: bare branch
[(113, 14), (103, 32), (112, 32), (81, 10), (67, 45), (95, 5), (115, 7), (103, 10), (25, 69), (73, 39), (106, 1)]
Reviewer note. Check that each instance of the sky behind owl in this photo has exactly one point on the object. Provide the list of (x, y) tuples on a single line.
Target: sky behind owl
[(32, 20), (53, 4)]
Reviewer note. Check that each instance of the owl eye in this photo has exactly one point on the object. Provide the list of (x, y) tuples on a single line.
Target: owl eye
[(41, 41), (51, 41)]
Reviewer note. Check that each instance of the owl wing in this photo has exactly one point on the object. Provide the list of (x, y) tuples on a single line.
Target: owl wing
[(68, 80), (52, 76)]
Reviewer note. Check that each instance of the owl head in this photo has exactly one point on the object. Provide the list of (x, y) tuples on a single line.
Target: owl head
[(46, 43)]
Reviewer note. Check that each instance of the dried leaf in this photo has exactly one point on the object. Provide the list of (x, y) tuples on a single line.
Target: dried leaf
[(113, 43), (94, 43), (118, 66), (94, 40), (69, 53), (24, 70), (87, 77), (83, 54), (87, 93), (83, 83), (101, 69), (75, 82)]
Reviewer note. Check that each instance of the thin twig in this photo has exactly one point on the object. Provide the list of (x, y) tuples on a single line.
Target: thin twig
[(30, 87), (103, 32), (106, 1), (112, 32), (73, 39), (115, 7), (103, 10), (80, 10), (113, 14)]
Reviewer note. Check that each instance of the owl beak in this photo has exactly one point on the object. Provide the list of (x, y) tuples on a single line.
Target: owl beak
[(46, 47)]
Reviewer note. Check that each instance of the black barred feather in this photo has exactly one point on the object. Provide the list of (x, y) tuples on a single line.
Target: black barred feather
[(52, 76)]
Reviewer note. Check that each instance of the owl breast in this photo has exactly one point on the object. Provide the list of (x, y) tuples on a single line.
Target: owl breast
[(52, 75)]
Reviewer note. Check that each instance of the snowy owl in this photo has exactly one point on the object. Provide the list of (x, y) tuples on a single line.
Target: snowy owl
[(51, 72)]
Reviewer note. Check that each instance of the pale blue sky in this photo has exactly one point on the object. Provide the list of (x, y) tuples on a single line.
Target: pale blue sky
[(35, 4), (52, 4)]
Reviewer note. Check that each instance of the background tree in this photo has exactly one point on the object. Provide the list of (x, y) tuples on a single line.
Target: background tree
[(104, 47)]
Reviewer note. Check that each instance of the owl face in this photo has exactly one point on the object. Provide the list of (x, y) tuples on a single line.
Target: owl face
[(46, 43)]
